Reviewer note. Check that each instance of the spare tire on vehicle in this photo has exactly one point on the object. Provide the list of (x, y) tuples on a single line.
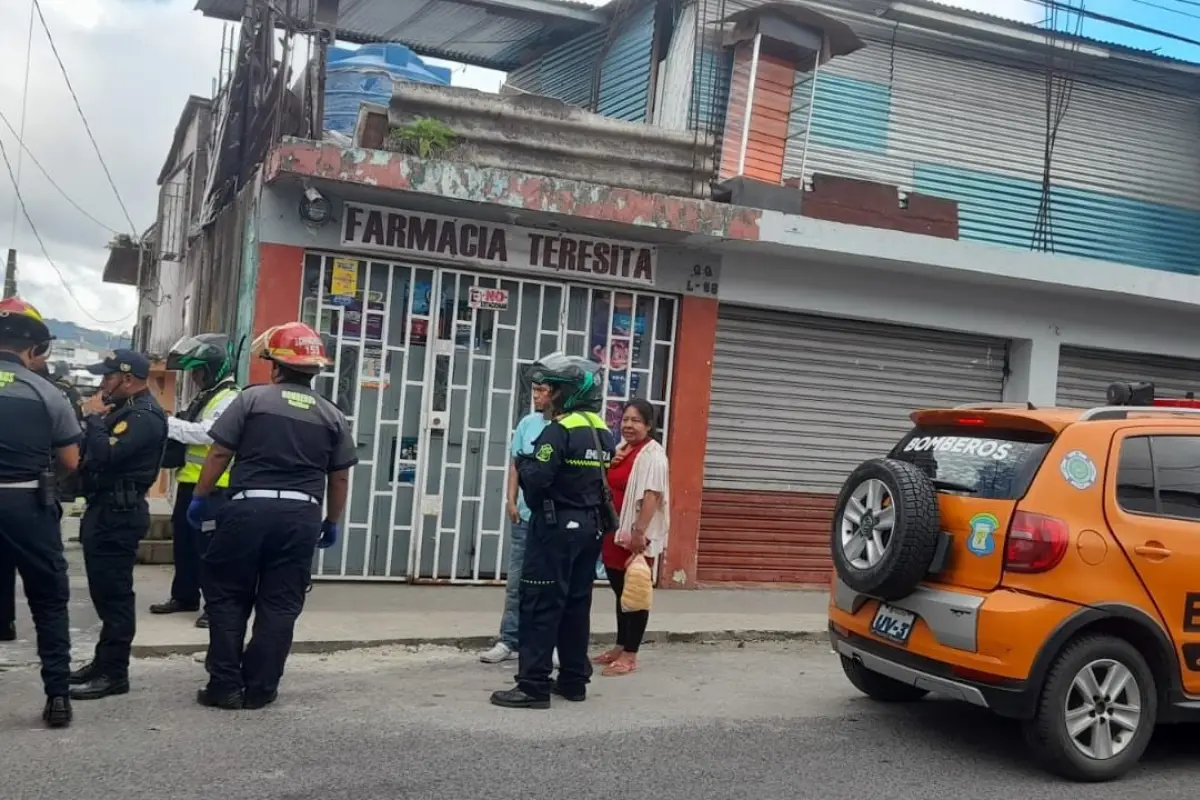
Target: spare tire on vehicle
[(886, 527)]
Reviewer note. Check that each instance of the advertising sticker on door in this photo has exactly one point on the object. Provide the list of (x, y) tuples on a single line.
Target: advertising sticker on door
[(508, 247)]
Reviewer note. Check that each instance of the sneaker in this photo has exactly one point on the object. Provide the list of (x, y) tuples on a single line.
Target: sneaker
[(499, 653)]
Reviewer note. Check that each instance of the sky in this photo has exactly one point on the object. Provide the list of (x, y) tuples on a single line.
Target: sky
[(133, 64)]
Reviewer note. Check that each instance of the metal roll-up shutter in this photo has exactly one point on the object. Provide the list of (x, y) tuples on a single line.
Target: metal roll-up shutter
[(1084, 375), (797, 403)]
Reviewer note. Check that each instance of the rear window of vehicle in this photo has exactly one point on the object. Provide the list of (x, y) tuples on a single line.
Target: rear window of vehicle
[(989, 463)]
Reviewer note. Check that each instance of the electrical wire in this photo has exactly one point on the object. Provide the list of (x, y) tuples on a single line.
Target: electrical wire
[(24, 107), (88, 128), (47, 176), (33, 228)]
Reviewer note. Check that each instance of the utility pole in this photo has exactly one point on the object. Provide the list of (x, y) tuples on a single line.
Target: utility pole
[(10, 274)]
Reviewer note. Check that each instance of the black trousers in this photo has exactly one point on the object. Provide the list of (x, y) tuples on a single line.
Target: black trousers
[(631, 625), (31, 543), (556, 601), (187, 546), (110, 538), (258, 560), (8, 595)]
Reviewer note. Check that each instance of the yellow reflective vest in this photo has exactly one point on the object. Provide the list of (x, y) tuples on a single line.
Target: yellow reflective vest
[(196, 453)]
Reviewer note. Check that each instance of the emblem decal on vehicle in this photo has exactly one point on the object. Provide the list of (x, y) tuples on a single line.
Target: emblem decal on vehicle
[(982, 539), (1078, 470)]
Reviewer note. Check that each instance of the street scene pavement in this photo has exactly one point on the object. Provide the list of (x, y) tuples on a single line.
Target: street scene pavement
[(728, 721)]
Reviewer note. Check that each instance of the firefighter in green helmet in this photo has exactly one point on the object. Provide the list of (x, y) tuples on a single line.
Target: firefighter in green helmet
[(211, 362), (564, 485)]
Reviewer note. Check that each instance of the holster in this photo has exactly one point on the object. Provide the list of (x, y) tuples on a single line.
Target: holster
[(47, 489)]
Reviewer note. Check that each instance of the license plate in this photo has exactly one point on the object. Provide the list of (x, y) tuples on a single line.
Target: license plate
[(894, 624)]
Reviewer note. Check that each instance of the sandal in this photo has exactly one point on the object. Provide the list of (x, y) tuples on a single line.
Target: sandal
[(619, 668), (606, 658)]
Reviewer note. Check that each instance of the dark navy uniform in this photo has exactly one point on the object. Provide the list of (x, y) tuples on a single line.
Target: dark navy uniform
[(36, 421), (121, 456), (563, 485), (68, 488), (286, 440)]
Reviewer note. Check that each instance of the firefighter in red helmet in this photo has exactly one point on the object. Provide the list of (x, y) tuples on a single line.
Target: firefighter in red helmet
[(38, 423), (292, 451)]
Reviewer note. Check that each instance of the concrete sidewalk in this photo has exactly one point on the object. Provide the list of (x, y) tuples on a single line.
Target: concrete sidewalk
[(340, 616)]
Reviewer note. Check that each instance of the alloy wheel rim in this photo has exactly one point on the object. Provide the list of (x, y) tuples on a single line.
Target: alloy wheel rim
[(1103, 710), (867, 523)]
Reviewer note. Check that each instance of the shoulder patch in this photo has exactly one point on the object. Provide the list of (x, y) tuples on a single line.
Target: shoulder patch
[(120, 428), (544, 453), (112, 440)]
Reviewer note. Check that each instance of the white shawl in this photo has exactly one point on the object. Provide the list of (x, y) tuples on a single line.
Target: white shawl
[(649, 474)]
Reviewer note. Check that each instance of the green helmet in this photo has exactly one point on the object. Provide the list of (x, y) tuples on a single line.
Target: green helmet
[(209, 354), (574, 381)]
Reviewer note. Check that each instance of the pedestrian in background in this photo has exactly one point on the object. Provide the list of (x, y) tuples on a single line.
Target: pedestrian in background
[(527, 431), (639, 480), (37, 423), (124, 436)]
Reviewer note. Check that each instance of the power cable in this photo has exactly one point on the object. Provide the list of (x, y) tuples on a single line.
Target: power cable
[(1169, 10), (24, 107), (33, 228), (25, 149), (88, 128)]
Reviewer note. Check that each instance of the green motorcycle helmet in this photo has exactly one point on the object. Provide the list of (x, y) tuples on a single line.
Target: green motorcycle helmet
[(209, 355), (574, 381)]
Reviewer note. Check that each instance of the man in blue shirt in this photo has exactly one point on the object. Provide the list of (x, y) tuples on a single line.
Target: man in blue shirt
[(527, 431)]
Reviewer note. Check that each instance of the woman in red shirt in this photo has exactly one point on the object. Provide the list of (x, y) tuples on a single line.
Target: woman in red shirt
[(638, 478)]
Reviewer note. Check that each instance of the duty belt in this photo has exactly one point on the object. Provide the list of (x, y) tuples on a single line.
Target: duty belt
[(20, 485), (275, 494)]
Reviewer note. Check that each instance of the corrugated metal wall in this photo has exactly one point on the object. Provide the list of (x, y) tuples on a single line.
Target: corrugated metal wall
[(957, 122), (566, 72), (1084, 375), (790, 394)]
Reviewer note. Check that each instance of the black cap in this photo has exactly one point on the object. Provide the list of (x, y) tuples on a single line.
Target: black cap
[(125, 361)]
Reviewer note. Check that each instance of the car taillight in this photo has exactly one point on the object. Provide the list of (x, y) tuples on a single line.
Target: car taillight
[(1036, 543)]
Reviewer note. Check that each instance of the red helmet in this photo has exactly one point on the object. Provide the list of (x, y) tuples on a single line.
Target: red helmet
[(20, 320), (293, 345)]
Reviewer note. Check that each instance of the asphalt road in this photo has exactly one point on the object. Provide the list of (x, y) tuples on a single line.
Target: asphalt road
[(712, 722)]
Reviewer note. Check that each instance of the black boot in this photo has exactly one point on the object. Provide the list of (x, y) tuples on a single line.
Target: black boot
[(254, 701), (173, 606), (100, 686), (8, 633), (515, 698), (57, 713), (228, 701), (571, 693), (84, 674), (202, 621)]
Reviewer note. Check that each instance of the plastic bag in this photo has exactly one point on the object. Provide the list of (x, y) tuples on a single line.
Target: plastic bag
[(638, 593)]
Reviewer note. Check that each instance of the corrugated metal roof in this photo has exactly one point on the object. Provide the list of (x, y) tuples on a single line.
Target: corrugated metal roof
[(498, 34)]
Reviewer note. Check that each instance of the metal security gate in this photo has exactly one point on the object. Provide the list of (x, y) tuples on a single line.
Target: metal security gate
[(429, 366), (799, 401), (1084, 375)]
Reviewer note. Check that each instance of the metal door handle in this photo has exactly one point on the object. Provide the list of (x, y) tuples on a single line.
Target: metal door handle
[(1152, 550)]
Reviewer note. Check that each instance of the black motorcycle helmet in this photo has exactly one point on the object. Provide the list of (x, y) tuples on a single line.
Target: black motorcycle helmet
[(574, 381), (209, 355)]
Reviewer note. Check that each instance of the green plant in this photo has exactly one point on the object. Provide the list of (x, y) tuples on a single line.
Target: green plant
[(424, 137)]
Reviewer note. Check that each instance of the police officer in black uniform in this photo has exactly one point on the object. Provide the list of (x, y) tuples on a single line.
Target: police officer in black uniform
[(37, 421), (68, 489), (289, 447), (125, 431), (564, 486)]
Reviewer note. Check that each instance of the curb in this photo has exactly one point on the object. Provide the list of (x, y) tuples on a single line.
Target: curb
[(483, 642)]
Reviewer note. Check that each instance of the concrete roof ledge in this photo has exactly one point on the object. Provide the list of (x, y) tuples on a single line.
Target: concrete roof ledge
[(984, 260), (512, 189)]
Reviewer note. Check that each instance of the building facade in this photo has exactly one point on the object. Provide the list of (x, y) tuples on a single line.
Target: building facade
[(901, 242)]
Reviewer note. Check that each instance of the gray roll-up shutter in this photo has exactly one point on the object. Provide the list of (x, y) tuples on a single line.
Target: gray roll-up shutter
[(1084, 375), (799, 401)]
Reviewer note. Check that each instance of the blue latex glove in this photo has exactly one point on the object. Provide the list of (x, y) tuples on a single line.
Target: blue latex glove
[(197, 511), (329, 534)]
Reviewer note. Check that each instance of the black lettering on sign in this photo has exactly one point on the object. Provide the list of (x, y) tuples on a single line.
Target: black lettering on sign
[(1191, 657), (1191, 613)]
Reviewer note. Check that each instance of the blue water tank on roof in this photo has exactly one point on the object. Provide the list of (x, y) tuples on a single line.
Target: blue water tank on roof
[(365, 75)]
